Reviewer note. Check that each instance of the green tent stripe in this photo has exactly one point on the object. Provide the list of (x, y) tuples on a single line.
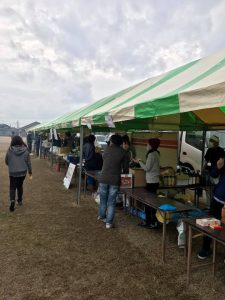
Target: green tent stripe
[(102, 102), (99, 119), (68, 118), (188, 118), (165, 106), (222, 108), (171, 74), (210, 71)]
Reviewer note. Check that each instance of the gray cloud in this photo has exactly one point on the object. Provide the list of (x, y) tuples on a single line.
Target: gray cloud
[(56, 56)]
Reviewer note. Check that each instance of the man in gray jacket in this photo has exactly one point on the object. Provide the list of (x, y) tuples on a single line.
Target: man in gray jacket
[(115, 162), (18, 161)]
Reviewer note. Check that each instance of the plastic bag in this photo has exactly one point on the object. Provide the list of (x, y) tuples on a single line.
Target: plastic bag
[(96, 197), (181, 228)]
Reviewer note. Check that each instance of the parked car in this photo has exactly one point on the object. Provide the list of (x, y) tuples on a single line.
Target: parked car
[(100, 141)]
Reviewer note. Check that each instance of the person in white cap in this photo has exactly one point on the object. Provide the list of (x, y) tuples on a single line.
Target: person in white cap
[(213, 154)]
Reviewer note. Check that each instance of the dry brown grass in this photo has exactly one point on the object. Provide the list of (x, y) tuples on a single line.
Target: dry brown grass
[(53, 249)]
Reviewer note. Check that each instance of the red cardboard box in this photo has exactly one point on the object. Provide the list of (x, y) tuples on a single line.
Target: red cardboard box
[(126, 181)]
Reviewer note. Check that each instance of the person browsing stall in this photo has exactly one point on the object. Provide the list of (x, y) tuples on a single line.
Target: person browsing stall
[(212, 155), (152, 170), (128, 147), (217, 203), (115, 162)]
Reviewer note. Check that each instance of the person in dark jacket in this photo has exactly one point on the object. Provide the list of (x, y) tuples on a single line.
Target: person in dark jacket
[(29, 141), (37, 143), (18, 161), (115, 161), (68, 140), (212, 155), (89, 152), (217, 203), (128, 147), (93, 160)]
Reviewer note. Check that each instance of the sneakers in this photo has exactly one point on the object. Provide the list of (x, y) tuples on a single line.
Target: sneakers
[(12, 205), (149, 226), (101, 219), (108, 225), (20, 202), (203, 254)]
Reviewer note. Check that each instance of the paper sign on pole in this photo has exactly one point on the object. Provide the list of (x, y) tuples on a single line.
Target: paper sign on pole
[(109, 121), (51, 134), (88, 122), (55, 134), (69, 175)]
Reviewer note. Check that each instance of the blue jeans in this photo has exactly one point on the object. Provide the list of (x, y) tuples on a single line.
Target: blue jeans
[(107, 205)]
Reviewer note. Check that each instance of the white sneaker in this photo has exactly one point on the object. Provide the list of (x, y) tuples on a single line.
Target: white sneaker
[(108, 225)]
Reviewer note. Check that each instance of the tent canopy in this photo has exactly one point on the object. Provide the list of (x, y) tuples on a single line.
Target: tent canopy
[(185, 98), (191, 97)]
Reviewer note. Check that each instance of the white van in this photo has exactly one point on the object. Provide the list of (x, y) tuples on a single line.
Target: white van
[(191, 146), (100, 141)]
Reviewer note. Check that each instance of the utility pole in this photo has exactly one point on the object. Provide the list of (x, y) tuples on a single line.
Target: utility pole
[(17, 126)]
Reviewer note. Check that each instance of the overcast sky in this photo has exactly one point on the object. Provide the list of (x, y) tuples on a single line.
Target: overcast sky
[(56, 56)]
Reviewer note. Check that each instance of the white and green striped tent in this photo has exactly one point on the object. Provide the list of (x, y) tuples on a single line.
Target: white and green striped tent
[(73, 119), (188, 97), (191, 97)]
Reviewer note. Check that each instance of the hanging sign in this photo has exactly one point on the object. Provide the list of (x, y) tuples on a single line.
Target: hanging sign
[(88, 122), (55, 134), (109, 121), (51, 133)]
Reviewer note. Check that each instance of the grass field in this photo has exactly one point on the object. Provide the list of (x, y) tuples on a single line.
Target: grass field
[(50, 248)]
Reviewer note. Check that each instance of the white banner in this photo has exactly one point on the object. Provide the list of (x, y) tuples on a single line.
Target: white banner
[(69, 175), (50, 134), (109, 121), (55, 134)]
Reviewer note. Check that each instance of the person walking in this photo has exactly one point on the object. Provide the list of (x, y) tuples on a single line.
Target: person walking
[(18, 161), (115, 162), (152, 170)]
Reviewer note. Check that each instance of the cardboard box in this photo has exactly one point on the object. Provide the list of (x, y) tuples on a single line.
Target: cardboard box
[(64, 150), (126, 181), (139, 178), (208, 222)]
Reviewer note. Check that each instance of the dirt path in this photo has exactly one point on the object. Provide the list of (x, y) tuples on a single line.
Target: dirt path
[(52, 249)]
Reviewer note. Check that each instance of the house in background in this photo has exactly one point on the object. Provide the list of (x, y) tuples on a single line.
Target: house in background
[(23, 130), (6, 130)]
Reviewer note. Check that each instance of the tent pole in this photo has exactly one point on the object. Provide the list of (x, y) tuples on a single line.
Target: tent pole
[(33, 143), (203, 149), (51, 131), (40, 148), (81, 160)]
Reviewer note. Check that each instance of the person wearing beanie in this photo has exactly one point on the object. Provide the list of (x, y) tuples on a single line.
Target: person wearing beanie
[(213, 154), (152, 170)]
